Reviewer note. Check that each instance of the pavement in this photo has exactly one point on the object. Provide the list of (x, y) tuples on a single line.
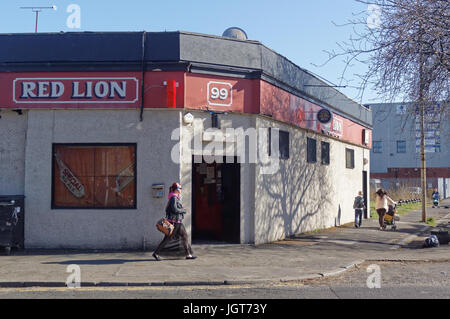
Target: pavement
[(319, 254)]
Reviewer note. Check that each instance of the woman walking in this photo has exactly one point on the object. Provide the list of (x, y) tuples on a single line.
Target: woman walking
[(381, 206), (175, 215)]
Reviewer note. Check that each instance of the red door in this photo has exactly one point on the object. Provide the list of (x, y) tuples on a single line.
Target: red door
[(207, 201), (216, 201)]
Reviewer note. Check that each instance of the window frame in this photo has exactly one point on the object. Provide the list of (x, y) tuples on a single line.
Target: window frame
[(352, 162), (280, 133), (404, 142), (322, 143), (57, 207), (288, 143), (381, 147), (311, 142)]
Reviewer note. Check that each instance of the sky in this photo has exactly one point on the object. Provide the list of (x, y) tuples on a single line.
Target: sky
[(300, 30)]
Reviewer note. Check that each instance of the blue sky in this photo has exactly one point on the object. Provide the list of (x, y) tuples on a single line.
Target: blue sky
[(298, 29)]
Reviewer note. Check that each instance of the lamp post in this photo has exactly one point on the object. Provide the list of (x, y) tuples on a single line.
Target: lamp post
[(37, 10)]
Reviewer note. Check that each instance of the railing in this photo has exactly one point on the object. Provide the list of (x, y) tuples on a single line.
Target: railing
[(408, 201)]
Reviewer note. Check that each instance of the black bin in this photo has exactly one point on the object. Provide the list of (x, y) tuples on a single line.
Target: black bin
[(11, 222), (442, 235)]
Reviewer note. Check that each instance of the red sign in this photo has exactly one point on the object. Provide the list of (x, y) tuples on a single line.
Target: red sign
[(168, 89), (31, 90), (289, 108), (89, 90), (220, 93)]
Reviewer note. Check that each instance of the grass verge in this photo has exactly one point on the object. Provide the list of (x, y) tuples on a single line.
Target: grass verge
[(431, 221)]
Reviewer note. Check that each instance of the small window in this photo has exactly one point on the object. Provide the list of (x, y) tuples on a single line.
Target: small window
[(325, 153), (94, 176), (283, 145), (349, 158), (377, 147), (401, 146), (311, 150)]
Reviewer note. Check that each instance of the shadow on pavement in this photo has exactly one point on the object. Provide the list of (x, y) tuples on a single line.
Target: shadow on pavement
[(97, 262), (65, 252)]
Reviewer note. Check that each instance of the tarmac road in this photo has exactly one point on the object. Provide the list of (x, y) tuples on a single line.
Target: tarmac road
[(304, 256), (398, 280), (329, 264)]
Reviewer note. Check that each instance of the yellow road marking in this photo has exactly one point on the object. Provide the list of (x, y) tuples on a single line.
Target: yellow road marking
[(124, 288)]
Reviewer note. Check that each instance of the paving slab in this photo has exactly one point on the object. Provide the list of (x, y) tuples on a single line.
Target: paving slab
[(305, 256)]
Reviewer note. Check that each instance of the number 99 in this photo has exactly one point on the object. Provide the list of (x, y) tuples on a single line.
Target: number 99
[(219, 94)]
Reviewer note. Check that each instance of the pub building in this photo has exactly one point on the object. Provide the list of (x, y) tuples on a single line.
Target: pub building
[(95, 126)]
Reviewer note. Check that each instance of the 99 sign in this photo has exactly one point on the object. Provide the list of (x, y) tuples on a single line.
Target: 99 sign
[(220, 93)]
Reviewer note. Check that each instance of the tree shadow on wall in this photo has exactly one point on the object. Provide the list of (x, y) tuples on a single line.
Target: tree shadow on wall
[(297, 198)]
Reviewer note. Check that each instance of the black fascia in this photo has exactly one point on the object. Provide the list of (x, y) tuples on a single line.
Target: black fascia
[(70, 47), (162, 46)]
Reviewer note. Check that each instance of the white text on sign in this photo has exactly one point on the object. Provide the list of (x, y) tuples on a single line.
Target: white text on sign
[(220, 93)]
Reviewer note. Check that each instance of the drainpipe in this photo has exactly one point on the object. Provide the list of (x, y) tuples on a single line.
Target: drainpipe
[(143, 76)]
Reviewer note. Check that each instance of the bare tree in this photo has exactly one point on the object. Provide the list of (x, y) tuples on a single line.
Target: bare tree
[(405, 45)]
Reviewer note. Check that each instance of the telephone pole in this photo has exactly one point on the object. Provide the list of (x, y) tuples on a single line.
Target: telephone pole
[(423, 169)]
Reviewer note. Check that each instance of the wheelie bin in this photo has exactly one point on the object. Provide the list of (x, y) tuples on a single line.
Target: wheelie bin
[(8, 221)]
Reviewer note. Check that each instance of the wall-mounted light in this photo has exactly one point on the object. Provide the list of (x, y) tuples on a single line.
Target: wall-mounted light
[(176, 84), (18, 111), (171, 92), (188, 118)]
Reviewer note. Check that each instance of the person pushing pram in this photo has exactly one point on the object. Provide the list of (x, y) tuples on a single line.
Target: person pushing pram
[(381, 205), (390, 217)]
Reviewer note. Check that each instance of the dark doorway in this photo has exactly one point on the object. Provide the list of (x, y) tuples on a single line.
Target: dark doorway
[(364, 190), (216, 202)]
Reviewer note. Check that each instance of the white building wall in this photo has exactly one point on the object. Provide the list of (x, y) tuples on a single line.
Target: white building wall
[(202, 122), (13, 131), (301, 196), (97, 228)]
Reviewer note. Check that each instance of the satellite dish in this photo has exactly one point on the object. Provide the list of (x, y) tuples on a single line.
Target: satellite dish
[(235, 33)]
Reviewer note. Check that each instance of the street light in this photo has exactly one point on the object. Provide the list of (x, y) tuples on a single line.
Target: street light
[(37, 10)]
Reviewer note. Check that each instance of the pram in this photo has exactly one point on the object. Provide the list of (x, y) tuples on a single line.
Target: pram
[(390, 217), (435, 199)]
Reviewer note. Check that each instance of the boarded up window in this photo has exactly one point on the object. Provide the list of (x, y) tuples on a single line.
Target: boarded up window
[(94, 176)]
